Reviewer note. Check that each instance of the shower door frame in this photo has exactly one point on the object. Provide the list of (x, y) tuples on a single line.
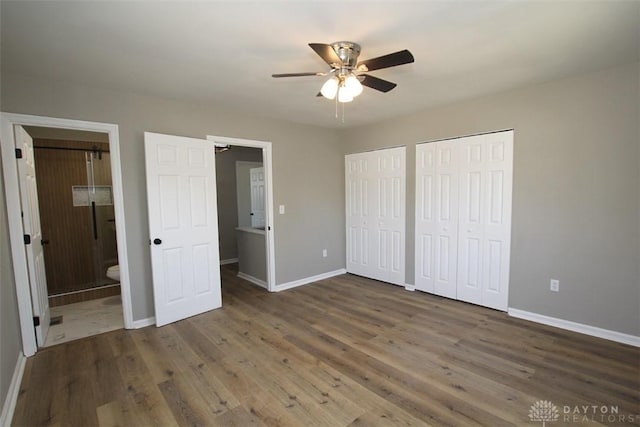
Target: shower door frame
[(14, 209)]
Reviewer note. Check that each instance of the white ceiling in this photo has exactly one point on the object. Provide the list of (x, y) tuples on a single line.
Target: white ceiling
[(224, 52)]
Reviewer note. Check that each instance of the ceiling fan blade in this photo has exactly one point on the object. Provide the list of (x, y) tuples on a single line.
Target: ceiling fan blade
[(386, 61), (297, 74), (376, 83), (327, 53)]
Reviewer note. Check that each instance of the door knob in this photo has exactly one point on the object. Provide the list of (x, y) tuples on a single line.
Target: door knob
[(157, 241)]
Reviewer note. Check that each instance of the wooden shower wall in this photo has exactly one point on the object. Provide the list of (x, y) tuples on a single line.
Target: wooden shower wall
[(68, 229)]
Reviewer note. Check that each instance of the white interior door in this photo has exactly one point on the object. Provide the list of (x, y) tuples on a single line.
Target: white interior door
[(256, 176), (31, 224), (436, 245), (389, 214), (358, 187), (375, 210), (486, 176), (183, 226)]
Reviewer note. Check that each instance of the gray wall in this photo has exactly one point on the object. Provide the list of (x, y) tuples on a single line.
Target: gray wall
[(10, 339), (227, 196), (312, 191), (253, 255), (576, 189)]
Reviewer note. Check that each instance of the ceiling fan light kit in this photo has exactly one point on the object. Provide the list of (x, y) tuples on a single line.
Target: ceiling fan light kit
[(348, 76), (346, 88)]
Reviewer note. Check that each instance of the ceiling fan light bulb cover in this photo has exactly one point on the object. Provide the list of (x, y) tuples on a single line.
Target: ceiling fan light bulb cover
[(344, 95), (330, 88), (353, 86)]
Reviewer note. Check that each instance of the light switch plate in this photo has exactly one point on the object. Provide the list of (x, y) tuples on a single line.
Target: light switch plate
[(281, 209)]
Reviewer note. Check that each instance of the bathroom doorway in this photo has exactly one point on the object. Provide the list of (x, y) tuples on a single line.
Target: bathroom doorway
[(77, 216), (32, 301)]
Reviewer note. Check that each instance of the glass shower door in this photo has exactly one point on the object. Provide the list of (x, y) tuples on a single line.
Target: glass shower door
[(101, 215), (77, 216)]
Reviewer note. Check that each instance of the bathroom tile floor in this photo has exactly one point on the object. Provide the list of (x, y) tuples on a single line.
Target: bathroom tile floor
[(84, 319)]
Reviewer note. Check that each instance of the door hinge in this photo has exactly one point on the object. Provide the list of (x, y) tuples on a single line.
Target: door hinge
[(18, 153), (36, 320), (27, 239)]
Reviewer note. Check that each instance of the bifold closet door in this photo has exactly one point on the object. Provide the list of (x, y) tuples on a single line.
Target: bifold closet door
[(436, 248), (484, 243), (463, 218), (375, 214)]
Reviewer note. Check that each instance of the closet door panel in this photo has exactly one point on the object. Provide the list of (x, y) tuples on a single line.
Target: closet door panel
[(357, 195), (375, 192), (391, 171), (436, 218), (425, 228), (485, 219), (497, 224), (472, 194), (447, 219)]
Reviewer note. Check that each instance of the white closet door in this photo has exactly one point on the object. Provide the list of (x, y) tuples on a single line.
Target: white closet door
[(436, 218), (358, 187), (486, 171), (390, 214), (375, 205)]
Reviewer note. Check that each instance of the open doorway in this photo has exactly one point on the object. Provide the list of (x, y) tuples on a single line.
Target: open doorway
[(241, 207), (77, 219), (245, 209), (31, 295)]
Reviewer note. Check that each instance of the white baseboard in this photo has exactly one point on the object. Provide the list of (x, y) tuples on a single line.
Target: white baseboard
[(409, 287), (9, 405), (307, 280), (137, 324), (576, 327), (253, 280), (228, 261)]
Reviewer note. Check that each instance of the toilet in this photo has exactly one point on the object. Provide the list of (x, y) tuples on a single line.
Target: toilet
[(113, 272)]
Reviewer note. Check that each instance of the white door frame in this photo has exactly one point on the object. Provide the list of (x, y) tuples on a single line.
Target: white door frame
[(268, 173), (14, 209)]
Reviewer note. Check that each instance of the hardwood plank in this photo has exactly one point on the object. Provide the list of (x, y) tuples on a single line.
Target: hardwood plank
[(238, 417), (143, 400)]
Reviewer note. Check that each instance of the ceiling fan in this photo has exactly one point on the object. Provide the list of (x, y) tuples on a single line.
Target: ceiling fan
[(347, 74)]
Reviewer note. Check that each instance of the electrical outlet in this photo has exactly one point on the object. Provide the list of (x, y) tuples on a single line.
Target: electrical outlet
[(555, 285), (324, 253)]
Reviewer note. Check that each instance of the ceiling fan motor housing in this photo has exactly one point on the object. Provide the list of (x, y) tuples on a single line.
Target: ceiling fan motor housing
[(348, 53)]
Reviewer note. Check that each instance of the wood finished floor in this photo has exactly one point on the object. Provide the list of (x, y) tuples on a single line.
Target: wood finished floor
[(347, 351)]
